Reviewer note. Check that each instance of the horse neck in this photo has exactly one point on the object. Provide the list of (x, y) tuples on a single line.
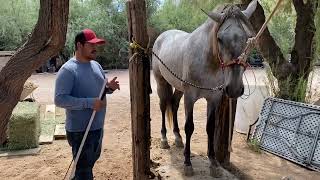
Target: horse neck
[(205, 36)]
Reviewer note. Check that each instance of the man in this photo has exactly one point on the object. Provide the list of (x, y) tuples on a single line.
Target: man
[(78, 85)]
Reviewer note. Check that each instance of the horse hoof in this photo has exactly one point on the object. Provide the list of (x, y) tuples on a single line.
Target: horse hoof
[(215, 172), (188, 170), (179, 143), (164, 145)]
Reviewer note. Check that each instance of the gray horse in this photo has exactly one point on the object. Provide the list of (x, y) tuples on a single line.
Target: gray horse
[(207, 57)]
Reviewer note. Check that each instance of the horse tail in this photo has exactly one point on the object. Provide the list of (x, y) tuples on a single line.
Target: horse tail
[(169, 114)]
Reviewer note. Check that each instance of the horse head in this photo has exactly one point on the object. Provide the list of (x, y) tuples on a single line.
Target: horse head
[(230, 35)]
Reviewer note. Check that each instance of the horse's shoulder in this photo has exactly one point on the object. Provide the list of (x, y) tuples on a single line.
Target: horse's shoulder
[(171, 37)]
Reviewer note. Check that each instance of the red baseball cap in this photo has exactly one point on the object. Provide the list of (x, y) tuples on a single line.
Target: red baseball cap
[(91, 37)]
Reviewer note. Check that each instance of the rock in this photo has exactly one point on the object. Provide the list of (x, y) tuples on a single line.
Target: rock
[(287, 178), (312, 93)]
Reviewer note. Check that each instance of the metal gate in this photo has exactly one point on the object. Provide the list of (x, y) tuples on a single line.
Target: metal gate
[(290, 130)]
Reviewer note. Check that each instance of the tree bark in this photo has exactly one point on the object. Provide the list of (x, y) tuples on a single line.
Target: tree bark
[(280, 67), (303, 50), (45, 41), (140, 89)]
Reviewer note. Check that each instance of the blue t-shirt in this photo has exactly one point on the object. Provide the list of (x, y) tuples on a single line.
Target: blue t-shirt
[(78, 84)]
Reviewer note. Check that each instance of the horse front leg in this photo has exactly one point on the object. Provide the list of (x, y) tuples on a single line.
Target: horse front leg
[(215, 170), (189, 128)]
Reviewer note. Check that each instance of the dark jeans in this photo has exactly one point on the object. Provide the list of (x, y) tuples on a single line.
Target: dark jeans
[(89, 154)]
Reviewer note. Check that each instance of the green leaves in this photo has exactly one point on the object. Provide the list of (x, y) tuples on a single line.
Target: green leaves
[(282, 25), (108, 19), (184, 14), (17, 19)]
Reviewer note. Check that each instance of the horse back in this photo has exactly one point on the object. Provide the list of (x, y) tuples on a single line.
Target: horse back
[(169, 48)]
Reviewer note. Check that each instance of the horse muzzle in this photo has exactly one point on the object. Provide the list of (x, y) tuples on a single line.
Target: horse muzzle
[(234, 92)]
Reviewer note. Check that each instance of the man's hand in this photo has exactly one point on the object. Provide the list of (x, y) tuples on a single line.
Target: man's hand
[(98, 104), (113, 84)]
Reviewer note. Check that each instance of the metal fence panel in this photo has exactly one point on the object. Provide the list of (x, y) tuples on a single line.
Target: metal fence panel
[(290, 130)]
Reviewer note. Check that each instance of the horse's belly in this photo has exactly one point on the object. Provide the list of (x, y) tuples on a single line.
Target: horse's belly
[(171, 79), (171, 54)]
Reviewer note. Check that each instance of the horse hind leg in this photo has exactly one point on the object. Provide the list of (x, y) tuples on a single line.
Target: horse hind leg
[(175, 106), (189, 128), (164, 90)]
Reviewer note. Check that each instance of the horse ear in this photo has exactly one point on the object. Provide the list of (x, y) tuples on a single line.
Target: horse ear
[(250, 9), (217, 17)]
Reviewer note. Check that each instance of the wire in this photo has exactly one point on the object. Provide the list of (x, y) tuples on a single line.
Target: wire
[(246, 96)]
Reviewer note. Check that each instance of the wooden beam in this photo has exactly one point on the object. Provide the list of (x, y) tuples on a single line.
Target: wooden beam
[(24, 152), (60, 132), (139, 71), (221, 137)]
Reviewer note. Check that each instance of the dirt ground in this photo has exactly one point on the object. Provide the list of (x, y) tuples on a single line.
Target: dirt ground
[(116, 159)]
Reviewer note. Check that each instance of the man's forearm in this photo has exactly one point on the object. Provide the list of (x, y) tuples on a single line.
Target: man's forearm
[(73, 103)]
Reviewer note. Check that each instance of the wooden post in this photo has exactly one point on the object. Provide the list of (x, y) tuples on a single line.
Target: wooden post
[(221, 137), (139, 71)]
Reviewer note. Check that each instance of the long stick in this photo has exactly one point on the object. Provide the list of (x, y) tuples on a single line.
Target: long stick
[(250, 43), (87, 131), (268, 20), (230, 129)]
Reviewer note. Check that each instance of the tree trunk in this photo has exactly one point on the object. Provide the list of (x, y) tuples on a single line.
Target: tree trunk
[(280, 67), (222, 135), (45, 41), (140, 89), (303, 50)]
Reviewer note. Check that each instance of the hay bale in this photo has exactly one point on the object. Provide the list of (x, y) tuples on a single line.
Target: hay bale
[(24, 126), (60, 115), (48, 124)]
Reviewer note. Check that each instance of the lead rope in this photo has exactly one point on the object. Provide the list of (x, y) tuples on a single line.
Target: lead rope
[(230, 127), (250, 44), (252, 41)]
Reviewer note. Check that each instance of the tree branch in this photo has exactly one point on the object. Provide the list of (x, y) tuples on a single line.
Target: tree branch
[(46, 40), (303, 49), (280, 67)]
